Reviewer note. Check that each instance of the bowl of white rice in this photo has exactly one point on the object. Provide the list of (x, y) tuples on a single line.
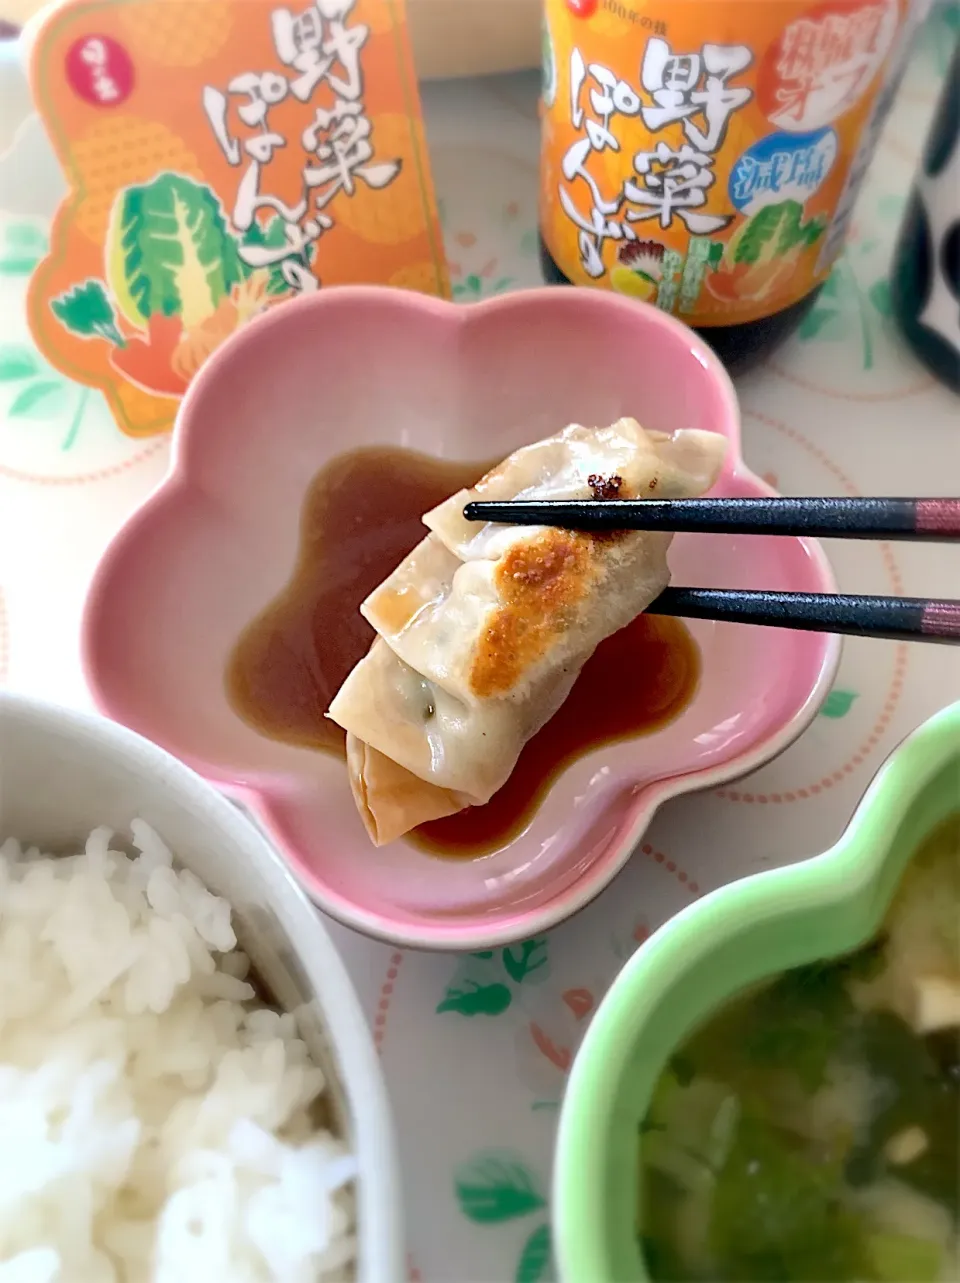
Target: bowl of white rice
[(188, 1089)]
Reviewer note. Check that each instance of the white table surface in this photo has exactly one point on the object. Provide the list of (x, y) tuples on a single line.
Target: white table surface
[(476, 1049)]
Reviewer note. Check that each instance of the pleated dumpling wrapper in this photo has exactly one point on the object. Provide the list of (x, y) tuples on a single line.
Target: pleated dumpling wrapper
[(483, 628)]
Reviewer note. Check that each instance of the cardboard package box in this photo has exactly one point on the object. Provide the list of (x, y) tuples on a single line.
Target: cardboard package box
[(450, 37)]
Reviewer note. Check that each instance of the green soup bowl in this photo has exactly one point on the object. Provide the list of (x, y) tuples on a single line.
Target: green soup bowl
[(741, 934)]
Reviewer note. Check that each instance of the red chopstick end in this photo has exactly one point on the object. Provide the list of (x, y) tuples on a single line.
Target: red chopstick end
[(941, 619), (942, 515)]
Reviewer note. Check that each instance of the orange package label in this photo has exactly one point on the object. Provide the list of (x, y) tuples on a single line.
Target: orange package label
[(705, 155), (222, 156)]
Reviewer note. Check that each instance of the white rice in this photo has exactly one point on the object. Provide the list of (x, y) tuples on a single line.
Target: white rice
[(156, 1120)]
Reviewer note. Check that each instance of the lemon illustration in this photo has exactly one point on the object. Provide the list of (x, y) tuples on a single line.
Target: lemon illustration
[(634, 284)]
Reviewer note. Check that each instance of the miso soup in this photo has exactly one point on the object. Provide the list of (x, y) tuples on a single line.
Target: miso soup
[(811, 1129)]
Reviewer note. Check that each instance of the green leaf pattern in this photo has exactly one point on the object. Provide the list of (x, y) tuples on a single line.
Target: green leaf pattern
[(939, 34), (473, 287), (534, 1263), (485, 983), (845, 307), (31, 390), (879, 296), (17, 362), (23, 246), (838, 703), (40, 399), (472, 999), (523, 959), (496, 1186)]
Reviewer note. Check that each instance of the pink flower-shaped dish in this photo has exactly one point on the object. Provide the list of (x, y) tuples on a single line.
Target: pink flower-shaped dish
[(218, 540)]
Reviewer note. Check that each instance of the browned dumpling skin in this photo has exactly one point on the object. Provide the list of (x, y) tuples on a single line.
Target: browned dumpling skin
[(483, 628)]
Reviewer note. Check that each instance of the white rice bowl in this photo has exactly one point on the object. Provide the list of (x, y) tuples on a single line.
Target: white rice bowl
[(159, 1122)]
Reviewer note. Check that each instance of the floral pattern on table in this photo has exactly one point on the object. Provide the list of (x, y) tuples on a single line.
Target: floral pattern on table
[(846, 302), (471, 279), (936, 42), (838, 703), (488, 983), (497, 1186), (848, 345), (37, 392), (52, 429), (476, 1049)]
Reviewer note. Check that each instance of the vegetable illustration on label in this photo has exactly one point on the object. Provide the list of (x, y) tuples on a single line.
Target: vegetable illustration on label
[(764, 251), (289, 152), (638, 270), (86, 310), (725, 134), (176, 282)]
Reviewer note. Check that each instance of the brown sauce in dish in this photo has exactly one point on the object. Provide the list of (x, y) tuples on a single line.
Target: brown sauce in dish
[(636, 681), (360, 518)]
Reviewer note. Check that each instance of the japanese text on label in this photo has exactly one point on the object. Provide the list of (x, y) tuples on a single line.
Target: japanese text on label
[(321, 52), (694, 95)]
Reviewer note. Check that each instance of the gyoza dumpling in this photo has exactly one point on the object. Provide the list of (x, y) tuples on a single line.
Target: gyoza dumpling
[(484, 628), (387, 794)]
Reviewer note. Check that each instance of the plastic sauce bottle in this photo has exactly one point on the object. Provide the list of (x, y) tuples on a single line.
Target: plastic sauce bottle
[(705, 155)]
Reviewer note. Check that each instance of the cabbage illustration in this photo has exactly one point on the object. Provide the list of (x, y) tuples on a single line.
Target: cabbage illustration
[(773, 231), (169, 252), (761, 256), (175, 283)]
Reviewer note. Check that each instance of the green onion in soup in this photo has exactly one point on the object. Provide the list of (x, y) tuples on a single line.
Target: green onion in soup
[(811, 1130)]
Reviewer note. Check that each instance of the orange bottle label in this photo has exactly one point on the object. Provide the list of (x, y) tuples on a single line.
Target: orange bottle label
[(705, 155), (222, 156)]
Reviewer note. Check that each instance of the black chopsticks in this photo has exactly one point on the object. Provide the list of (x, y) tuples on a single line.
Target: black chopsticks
[(900, 618), (932, 519)]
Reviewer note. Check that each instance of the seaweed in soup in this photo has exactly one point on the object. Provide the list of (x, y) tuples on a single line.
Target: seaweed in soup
[(811, 1129)]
